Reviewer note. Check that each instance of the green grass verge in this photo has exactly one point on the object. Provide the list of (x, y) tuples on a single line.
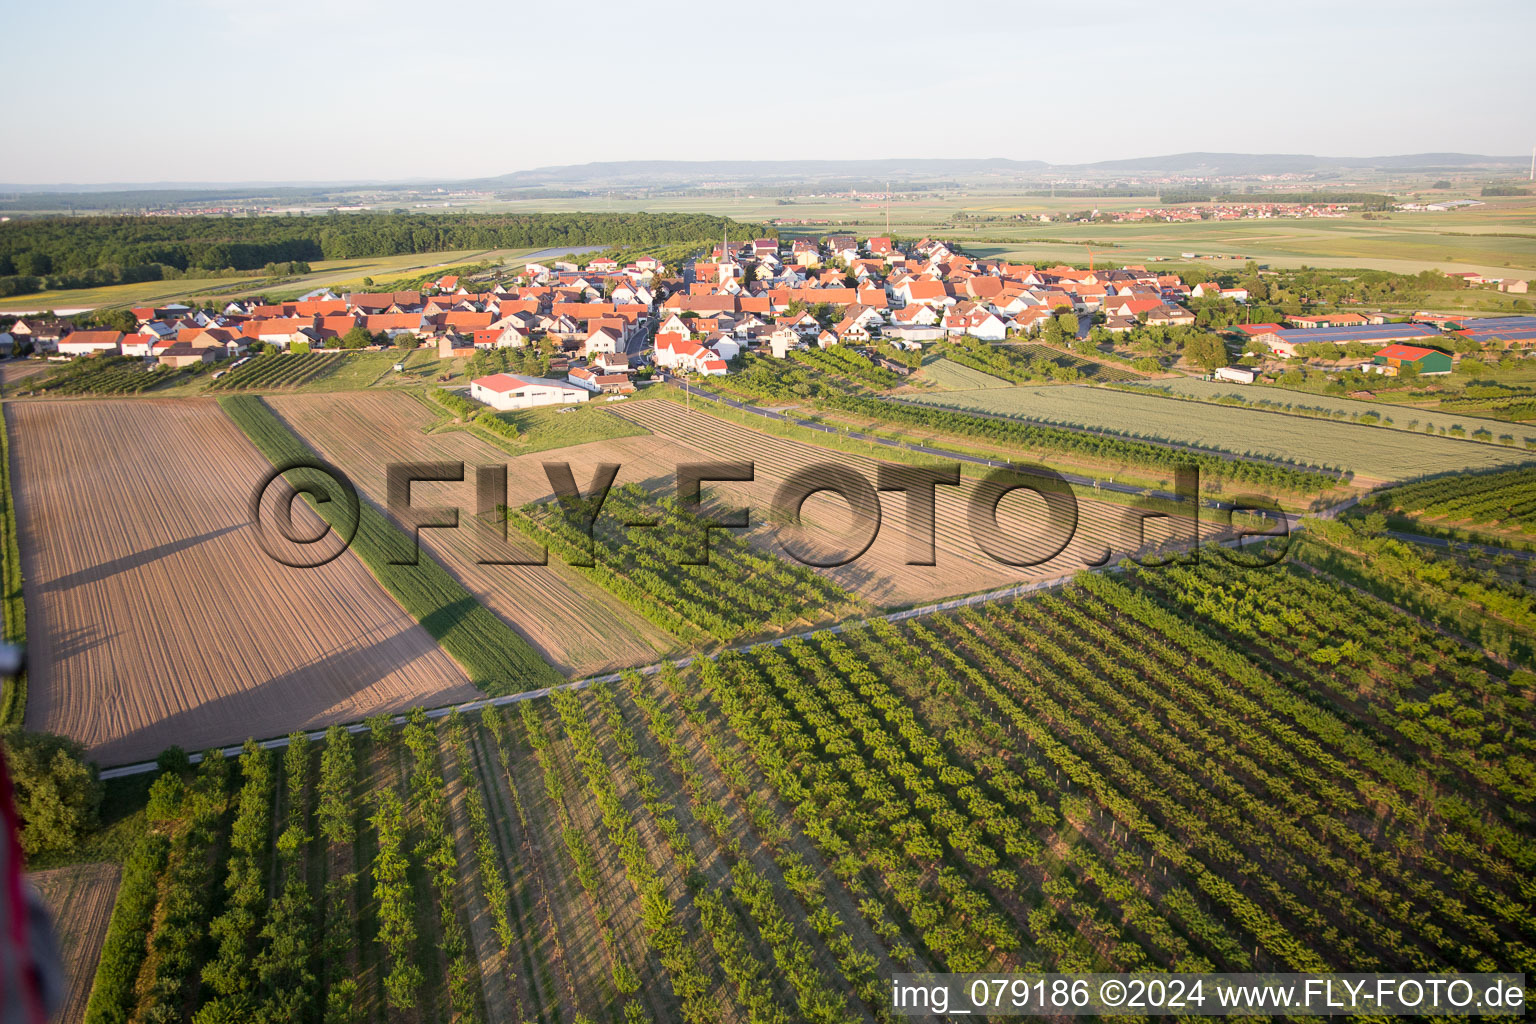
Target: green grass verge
[(495, 657), (540, 430), (13, 704)]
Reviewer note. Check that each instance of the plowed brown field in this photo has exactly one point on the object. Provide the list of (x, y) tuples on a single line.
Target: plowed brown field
[(881, 573), (154, 616), (576, 626), (80, 898)]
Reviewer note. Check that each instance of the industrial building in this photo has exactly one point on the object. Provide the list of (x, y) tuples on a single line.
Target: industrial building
[(1393, 359), (1283, 342)]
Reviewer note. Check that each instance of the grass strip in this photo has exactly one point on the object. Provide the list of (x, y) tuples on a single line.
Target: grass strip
[(494, 656), (13, 704)]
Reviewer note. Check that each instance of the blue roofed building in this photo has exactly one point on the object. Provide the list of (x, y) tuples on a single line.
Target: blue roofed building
[(1284, 341)]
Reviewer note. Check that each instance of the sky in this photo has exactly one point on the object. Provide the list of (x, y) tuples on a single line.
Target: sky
[(333, 90)]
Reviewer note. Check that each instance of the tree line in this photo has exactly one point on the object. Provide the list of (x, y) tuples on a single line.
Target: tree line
[(60, 251)]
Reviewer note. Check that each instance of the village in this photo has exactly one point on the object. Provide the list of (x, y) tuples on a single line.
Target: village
[(603, 323)]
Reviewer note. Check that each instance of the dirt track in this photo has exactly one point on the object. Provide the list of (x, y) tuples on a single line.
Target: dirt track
[(154, 616), (80, 897)]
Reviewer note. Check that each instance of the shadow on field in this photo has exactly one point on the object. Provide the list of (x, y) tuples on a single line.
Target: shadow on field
[(67, 643), (322, 691), (135, 560)]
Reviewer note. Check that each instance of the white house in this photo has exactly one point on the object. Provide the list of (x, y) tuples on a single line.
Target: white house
[(603, 339), (782, 340), (506, 391), (82, 343), (140, 344), (675, 324), (725, 346), (978, 323), (673, 352)]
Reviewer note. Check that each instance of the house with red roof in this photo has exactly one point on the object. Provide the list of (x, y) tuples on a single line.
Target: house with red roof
[(676, 353), (978, 322), (90, 343)]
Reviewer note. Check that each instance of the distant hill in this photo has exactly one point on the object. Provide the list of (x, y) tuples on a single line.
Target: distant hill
[(1187, 164), (863, 173), (754, 170), (1234, 164)]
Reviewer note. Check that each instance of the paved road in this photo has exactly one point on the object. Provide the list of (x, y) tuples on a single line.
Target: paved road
[(473, 706)]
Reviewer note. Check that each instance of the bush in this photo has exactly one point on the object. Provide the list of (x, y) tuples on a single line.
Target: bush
[(489, 421), (165, 796), (455, 403), (173, 759), (57, 792)]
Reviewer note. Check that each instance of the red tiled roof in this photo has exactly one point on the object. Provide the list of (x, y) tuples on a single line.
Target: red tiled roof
[(1412, 353)]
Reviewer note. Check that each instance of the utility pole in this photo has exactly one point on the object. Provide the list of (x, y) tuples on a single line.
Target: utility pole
[(888, 203), (1533, 163)]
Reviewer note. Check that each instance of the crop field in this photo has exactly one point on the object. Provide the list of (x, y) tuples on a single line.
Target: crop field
[(543, 429), (1020, 362), (102, 375), (346, 274), (735, 593), (880, 575), (1490, 239), (1316, 406), (1138, 773), (80, 898), (1506, 500), (576, 626), (278, 370), (13, 372), (154, 616), (1371, 453), (1092, 369), (952, 376)]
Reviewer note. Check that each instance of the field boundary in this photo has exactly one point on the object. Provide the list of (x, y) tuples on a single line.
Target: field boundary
[(492, 654), (13, 706), (1076, 479), (442, 711)]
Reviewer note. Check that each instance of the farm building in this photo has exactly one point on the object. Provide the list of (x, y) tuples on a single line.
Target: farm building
[(1499, 330), (1394, 358), (84, 343), (593, 379), (1319, 322), (1283, 342), (514, 391)]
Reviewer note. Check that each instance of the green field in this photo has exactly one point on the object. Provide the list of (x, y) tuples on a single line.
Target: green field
[(562, 426), (950, 375), (1498, 238), (1369, 452), (342, 274), (1315, 406)]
